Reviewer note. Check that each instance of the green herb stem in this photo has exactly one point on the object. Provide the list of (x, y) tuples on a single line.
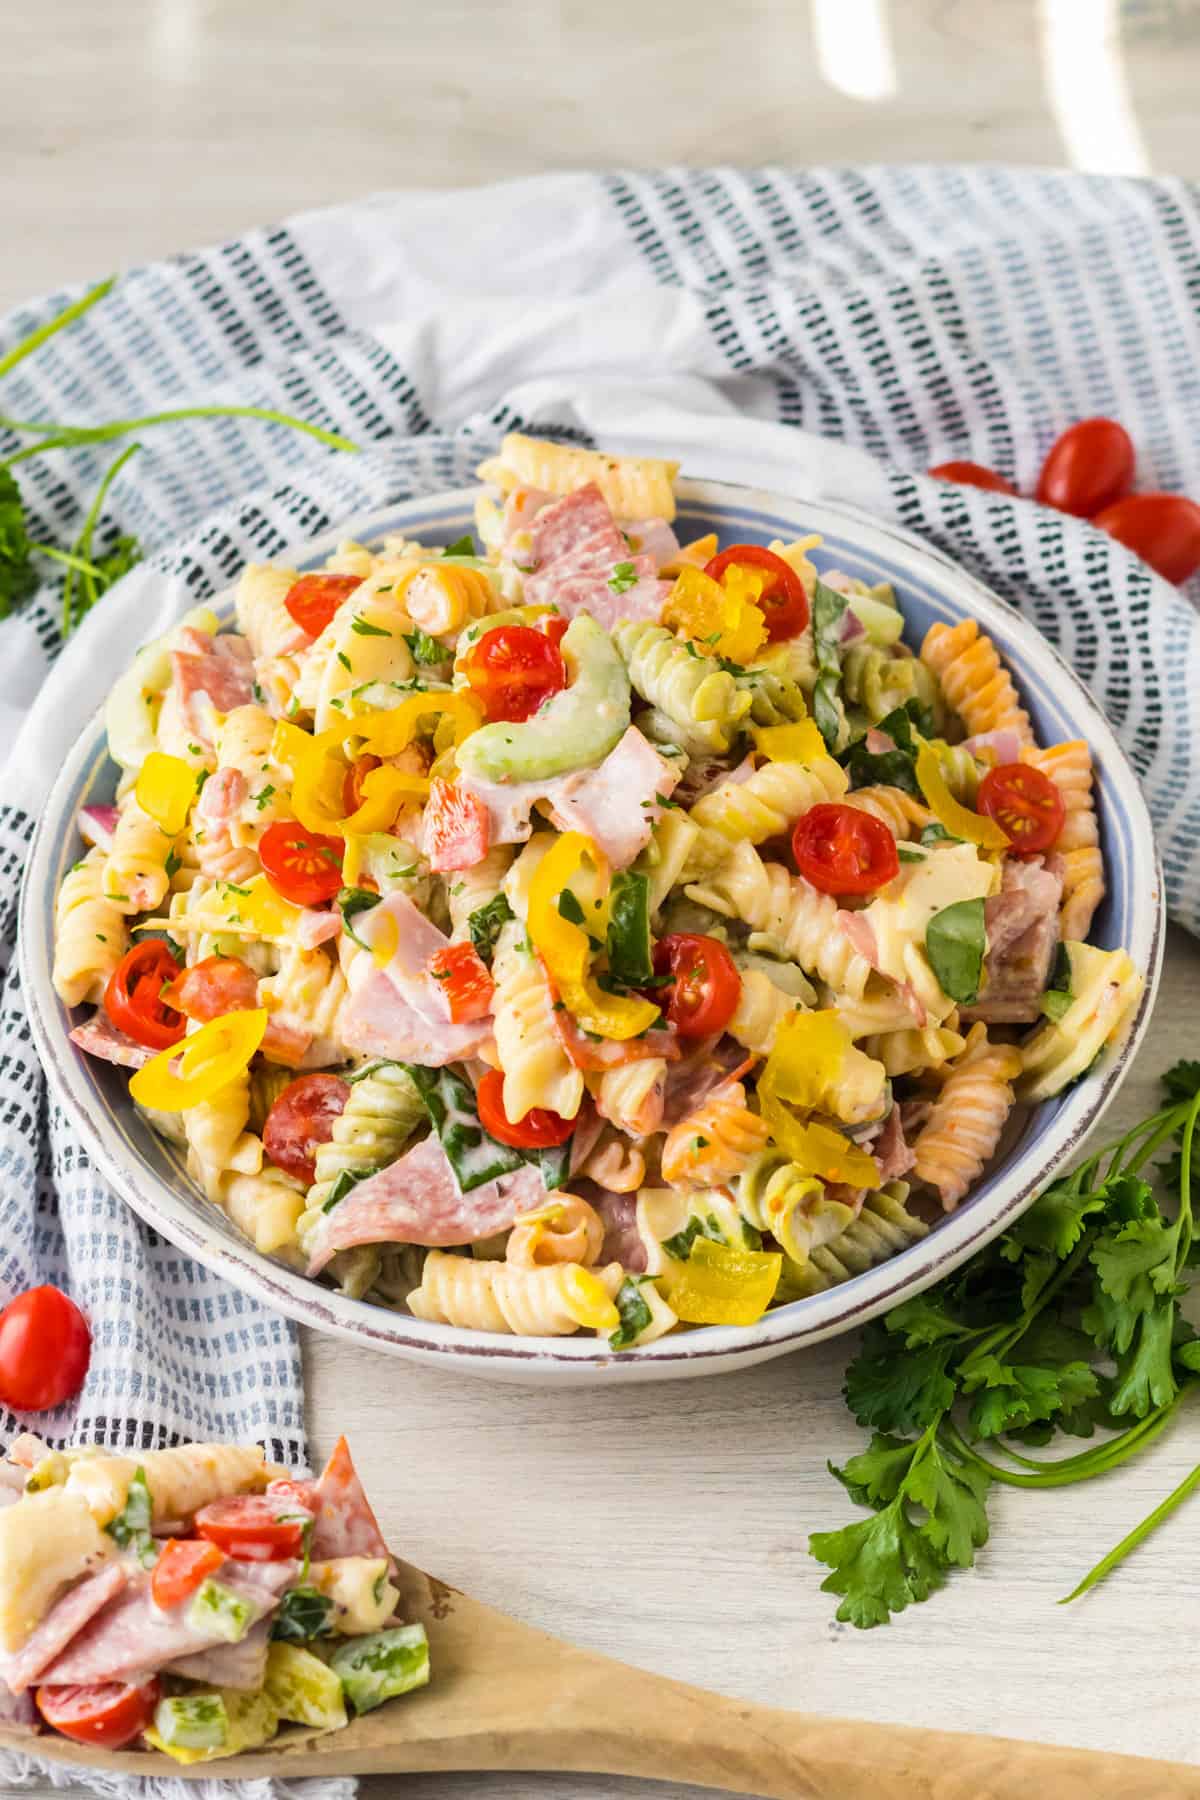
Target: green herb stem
[(1137, 1536), (64, 556), (67, 436), (44, 332), (83, 543)]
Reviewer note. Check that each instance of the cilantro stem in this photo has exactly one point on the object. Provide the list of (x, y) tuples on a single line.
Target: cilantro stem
[(1137, 1536), (37, 338), (1071, 1469), (63, 556), (1184, 1224), (67, 436), (83, 543)]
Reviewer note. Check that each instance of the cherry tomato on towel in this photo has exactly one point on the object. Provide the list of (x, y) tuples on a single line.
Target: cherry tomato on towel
[(303, 866), (705, 985), (45, 1348), (783, 599), (1087, 468), (183, 1564), (540, 1129), (312, 600), (843, 851), (105, 1713), (301, 1120), (213, 987), (256, 1527), (1163, 529), (462, 976), (1025, 803), (513, 668), (972, 474), (133, 997)]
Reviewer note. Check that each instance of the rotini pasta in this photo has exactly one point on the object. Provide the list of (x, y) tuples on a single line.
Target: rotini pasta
[(786, 916), (90, 936), (553, 1301), (635, 487), (904, 816), (1069, 767), (770, 800), (702, 700), (714, 1143), (968, 1116), (973, 679), (796, 1209), (382, 1111), (136, 878), (536, 1069)]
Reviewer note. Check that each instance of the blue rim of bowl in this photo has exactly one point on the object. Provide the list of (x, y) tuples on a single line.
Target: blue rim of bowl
[(868, 546)]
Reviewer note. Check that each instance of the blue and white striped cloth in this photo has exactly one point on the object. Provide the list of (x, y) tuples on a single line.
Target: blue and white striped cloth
[(831, 332)]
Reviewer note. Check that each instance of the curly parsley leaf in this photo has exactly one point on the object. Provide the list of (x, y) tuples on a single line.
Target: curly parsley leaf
[(901, 1394)]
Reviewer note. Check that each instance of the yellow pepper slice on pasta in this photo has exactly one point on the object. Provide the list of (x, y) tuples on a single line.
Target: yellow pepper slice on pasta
[(320, 766), (807, 1058), (958, 820), (208, 1061), (166, 787), (565, 950), (721, 616), (719, 1285), (587, 1300), (817, 1149), (801, 742)]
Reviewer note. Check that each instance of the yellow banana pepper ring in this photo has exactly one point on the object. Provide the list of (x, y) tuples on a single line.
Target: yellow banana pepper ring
[(958, 820), (565, 950), (320, 766), (721, 617), (718, 1285), (391, 730), (166, 787), (806, 1059), (587, 1299), (817, 1149), (208, 1061)]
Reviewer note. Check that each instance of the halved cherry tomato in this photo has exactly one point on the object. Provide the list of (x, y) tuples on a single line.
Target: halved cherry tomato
[(1025, 803), (133, 997), (782, 600), (312, 600), (972, 474), (1163, 529), (213, 987), (540, 1129), (555, 628), (1087, 468), (352, 786), (303, 866), (513, 668), (255, 1527), (456, 827), (705, 985), (302, 1119), (183, 1563), (107, 1713), (465, 981), (45, 1348), (843, 851)]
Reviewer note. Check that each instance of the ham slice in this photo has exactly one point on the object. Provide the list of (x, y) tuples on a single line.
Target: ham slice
[(416, 1200), (316, 926), (712, 1062), (242, 1666), (617, 803), (222, 797), (132, 1635), (592, 591), (652, 537), (1022, 931), (379, 1021), (1003, 746), (98, 1036), (217, 670), (66, 1618), (890, 1150)]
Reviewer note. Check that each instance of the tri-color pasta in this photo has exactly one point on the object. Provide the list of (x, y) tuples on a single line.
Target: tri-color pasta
[(601, 932)]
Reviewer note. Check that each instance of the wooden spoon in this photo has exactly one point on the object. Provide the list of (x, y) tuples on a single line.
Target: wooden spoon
[(505, 1696)]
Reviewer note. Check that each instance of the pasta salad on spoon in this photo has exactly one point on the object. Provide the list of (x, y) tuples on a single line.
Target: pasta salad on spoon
[(584, 931)]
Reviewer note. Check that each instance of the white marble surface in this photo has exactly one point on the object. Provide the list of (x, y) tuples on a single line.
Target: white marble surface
[(666, 1525)]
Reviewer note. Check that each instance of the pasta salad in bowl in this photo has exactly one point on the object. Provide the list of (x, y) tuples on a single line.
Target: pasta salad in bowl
[(656, 923)]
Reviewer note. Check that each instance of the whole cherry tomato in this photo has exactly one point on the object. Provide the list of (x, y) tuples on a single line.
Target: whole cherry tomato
[(45, 1348), (540, 1129), (1163, 529), (841, 850), (972, 474), (705, 984), (1025, 803), (1087, 468)]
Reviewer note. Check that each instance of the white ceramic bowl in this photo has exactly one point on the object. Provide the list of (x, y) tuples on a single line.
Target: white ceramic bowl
[(150, 1174)]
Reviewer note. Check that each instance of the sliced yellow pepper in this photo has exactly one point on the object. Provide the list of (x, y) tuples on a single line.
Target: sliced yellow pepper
[(256, 906), (320, 766), (289, 743), (587, 1299), (720, 616), (166, 787), (695, 555), (718, 1285), (958, 820), (807, 1058), (383, 791), (801, 742), (391, 730), (817, 1149), (565, 949), (208, 1061)]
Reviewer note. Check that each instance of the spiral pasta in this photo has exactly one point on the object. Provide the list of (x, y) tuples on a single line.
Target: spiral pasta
[(635, 487), (968, 1116), (217, 1137), (877, 679), (714, 1143), (776, 698), (381, 1113), (881, 1230), (614, 1163), (1105, 988), (304, 998), (914, 1048), (760, 1007), (266, 1204), (785, 915), (631, 1096), (904, 816), (90, 937), (770, 800), (473, 888), (700, 698), (554, 1301), (135, 871), (443, 599), (262, 616), (973, 679), (1069, 767), (776, 1197), (567, 1229), (537, 1071)]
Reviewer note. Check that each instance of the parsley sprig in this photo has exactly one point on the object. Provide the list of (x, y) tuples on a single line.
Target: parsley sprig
[(88, 575), (1067, 1326)]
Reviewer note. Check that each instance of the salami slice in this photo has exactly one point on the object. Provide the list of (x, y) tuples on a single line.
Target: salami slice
[(345, 1525), (99, 1037), (302, 1119), (67, 1617), (592, 591), (220, 668), (416, 1200), (559, 530), (242, 1666)]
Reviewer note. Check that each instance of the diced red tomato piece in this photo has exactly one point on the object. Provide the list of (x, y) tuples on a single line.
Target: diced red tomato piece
[(183, 1563), (301, 1120), (456, 827), (312, 600), (465, 981), (254, 1527)]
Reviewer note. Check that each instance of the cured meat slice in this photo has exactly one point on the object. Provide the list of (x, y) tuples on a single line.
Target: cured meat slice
[(242, 1666), (66, 1618), (98, 1036)]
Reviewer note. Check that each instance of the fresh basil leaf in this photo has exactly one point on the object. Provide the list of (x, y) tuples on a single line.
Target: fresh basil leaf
[(303, 1613), (828, 609), (826, 711), (484, 925), (463, 546), (425, 649), (890, 768), (956, 943), (351, 902), (635, 1314), (473, 1154), (570, 909), (630, 955), (937, 834), (553, 1163), (1058, 997), (343, 1181)]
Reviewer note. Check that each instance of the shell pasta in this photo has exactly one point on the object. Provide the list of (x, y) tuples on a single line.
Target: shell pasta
[(585, 931)]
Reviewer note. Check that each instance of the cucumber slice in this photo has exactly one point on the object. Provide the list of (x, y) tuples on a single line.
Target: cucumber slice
[(381, 1667)]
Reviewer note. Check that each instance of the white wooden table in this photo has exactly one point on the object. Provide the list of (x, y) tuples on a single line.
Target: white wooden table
[(666, 1525)]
